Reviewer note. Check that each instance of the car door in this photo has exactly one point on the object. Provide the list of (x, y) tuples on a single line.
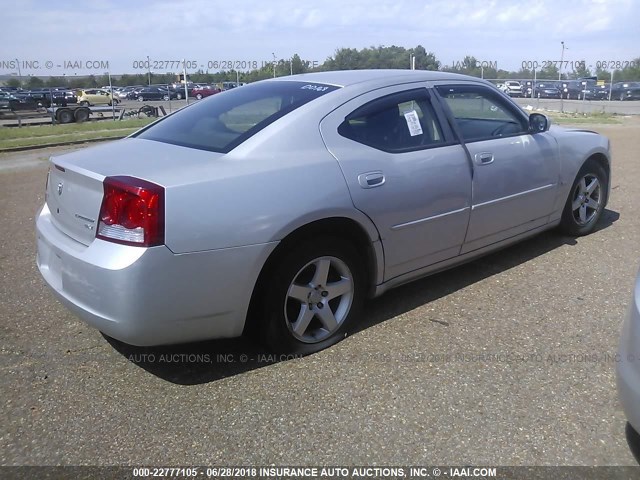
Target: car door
[(516, 173), (405, 171)]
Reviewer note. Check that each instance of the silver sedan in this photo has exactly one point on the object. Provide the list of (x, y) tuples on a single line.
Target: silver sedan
[(281, 206)]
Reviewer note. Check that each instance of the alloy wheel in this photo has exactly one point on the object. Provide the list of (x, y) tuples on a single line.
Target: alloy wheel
[(587, 198), (319, 299)]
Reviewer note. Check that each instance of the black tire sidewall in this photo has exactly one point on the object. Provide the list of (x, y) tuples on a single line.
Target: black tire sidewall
[(81, 116), (273, 326), (568, 223), (66, 117)]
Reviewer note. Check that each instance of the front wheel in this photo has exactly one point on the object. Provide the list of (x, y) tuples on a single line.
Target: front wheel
[(166, 98), (586, 200), (314, 293), (199, 96), (141, 98), (178, 96)]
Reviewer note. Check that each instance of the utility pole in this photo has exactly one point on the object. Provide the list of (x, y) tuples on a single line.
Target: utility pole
[(149, 69), (561, 60), (274, 64)]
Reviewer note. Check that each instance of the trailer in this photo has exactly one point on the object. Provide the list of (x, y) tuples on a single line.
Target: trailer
[(76, 113)]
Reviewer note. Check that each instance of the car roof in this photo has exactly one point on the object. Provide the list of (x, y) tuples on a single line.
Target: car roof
[(345, 78)]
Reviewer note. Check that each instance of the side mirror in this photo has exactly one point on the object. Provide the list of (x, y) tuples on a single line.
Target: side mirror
[(538, 123)]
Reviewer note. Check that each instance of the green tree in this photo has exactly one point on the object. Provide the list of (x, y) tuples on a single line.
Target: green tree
[(602, 74), (630, 73), (56, 82), (14, 82), (550, 72), (35, 82), (299, 65), (425, 60), (582, 71)]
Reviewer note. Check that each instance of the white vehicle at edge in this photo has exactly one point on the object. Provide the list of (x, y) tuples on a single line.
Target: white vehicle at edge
[(628, 368), (512, 88)]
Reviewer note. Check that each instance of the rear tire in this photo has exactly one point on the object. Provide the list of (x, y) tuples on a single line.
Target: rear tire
[(312, 295), (81, 115), (65, 116), (586, 201)]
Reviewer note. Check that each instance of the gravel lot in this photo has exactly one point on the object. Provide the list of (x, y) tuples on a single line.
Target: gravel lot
[(504, 361)]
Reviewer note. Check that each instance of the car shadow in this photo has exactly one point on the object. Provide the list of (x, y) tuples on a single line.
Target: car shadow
[(203, 362), (633, 440)]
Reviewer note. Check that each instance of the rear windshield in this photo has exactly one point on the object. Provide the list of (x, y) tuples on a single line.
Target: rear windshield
[(225, 120)]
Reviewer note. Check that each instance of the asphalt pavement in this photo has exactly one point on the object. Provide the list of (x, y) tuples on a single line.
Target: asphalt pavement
[(508, 360)]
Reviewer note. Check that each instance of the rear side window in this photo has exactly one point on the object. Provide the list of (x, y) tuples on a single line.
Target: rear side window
[(223, 121), (395, 123)]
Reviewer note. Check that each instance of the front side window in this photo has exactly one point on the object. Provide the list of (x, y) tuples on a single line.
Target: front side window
[(395, 123), (223, 121), (482, 114)]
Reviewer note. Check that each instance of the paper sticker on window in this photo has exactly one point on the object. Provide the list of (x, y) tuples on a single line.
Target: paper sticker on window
[(413, 122)]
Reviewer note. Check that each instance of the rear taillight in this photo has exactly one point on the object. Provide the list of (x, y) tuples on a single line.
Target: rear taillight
[(132, 212)]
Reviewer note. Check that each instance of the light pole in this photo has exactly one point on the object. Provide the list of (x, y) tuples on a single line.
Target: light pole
[(149, 69), (561, 60), (19, 72), (274, 64)]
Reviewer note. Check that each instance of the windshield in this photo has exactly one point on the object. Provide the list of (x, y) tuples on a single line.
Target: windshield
[(224, 121)]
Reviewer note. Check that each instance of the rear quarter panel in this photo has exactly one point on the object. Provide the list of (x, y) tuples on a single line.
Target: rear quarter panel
[(278, 180)]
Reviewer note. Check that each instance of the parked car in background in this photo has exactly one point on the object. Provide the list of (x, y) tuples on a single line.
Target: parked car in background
[(47, 97), (122, 221), (547, 90), (628, 364), (601, 92), (625, 91), (14, 103), (179, 89), (512, 88), (230, 85), (152, 93), (124, 92), (95, 96), (204, 91), (579, 90)]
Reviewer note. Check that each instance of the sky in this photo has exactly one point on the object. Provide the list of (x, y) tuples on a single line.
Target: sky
[(40, 37)]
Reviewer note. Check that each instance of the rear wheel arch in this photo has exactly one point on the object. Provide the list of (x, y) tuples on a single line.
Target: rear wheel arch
[(343, 229)]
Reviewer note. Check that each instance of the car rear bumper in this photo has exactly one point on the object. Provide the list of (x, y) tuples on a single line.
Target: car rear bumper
[(628, 366), (150, 296)]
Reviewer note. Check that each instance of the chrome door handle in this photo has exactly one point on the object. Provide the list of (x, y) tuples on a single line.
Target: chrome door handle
[(371, 179), (484, 158)]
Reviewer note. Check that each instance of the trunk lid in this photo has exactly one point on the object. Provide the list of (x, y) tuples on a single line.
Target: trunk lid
[(75, 185), (74, 198)]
